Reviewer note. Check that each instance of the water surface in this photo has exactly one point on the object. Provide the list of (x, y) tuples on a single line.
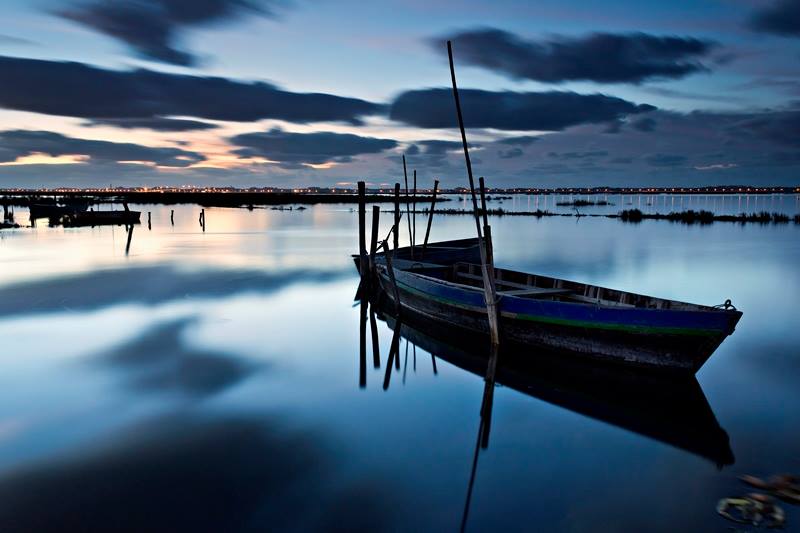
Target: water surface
[(210, 381)]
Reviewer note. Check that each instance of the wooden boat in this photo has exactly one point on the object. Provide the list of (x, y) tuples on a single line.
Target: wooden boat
[(101, 218), (675, 412), (54, 211), (572, 317), (440, 253)]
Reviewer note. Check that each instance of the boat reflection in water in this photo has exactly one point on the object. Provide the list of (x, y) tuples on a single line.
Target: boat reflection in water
[(672, 410)]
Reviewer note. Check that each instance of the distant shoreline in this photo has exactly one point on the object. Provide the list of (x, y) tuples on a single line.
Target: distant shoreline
[(313, 195)]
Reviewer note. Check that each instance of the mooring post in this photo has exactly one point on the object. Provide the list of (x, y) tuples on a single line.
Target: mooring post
[(430, 217), (376, 349), (483, 202), (172, 216), (487, 270), (414, 211), (396, 213), (408, 208), (362, 242), (362, 352), (128, 244), (373, 246), (203, 219), (149, 223)]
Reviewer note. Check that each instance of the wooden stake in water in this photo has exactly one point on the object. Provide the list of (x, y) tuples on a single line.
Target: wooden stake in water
[(172, 216), (408, 209), (430, 216), (362, 243), (414, 211), (486, 269), (396, 213)]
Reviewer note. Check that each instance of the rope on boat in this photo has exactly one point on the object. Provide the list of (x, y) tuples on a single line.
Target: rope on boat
[(726, 305)]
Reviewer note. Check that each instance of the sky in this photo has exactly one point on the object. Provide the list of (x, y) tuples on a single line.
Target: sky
[(293, 93)]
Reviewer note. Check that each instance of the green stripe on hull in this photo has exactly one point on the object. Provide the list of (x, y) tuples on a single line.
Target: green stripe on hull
[(659, 330)]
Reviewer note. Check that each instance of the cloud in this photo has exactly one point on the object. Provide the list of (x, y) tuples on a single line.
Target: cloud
[(780, 127), (520, 140), (508, 110), (578, 155), (511, 153), (599, 57), (665, 160), (780, 18), (80, 90), (646, 124), (196, 470), (433, 153), (14, 41), (155, 124), (20, 143), (307, 148), (153, 28)]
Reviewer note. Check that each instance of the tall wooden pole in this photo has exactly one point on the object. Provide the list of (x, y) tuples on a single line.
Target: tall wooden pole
[(486, 268), (482, 185), (414, 211), (396, 215), (362, 238), (408, 208), (430, 216)]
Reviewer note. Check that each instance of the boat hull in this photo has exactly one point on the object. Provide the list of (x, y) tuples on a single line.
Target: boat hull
[(440, 253), (101, 218), (669, 340)]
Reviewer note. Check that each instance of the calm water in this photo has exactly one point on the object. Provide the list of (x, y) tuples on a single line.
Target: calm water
[(210, 381)]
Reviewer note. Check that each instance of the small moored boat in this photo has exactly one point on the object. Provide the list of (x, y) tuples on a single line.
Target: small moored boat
[(568, 316)]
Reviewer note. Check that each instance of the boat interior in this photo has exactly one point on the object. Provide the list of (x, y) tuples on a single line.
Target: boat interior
[(533, 286)]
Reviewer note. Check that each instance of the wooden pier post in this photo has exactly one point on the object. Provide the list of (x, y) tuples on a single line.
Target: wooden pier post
[(430, 216), (376, 349), (414, 211), (172, 216), (482, 186), (149, 221), (486, 268), (373, 246), (362, 243), (203, 219), (408, 208), (130, 236), (362, 352), (396, 214)]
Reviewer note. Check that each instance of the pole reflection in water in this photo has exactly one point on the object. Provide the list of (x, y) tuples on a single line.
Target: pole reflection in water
[(673, 411)]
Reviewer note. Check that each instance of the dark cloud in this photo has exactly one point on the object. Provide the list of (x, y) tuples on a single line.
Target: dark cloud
[(599, 57), (665, 160), (578, 155), (433, 153), (160, 360), (646, 124), (508, 110), (307, 148), (153, 28), (621, 160), (200, 472), (84, 91), (780, 127), (780, 18), (20, 143), (149, 286), (520, 140), (511, 153), (155, 124)]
